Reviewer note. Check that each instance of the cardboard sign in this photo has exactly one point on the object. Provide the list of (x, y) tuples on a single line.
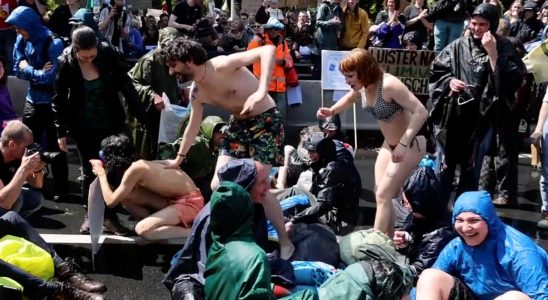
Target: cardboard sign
[(411, 67)]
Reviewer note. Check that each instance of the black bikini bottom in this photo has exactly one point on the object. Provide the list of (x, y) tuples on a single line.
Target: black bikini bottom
[(392, 147)]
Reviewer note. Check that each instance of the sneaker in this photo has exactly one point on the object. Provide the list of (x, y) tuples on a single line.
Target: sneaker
[(113, 225), (543, 223), (69, 292), (84, 229), (69, 272)]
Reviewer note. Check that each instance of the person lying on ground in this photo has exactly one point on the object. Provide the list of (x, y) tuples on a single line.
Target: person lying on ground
[(165, 200), (489, 259), (70, 283)]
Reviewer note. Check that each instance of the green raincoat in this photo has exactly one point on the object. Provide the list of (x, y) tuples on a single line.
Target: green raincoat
[(150, 76), (236, 267)]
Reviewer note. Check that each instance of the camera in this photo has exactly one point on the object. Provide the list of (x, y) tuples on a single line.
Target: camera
[(45, 156)]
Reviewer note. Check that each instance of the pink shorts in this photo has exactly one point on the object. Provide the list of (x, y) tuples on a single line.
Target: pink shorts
[(188, 206)]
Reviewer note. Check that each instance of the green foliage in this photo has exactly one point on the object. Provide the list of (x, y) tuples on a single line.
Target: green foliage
[(51, 5)]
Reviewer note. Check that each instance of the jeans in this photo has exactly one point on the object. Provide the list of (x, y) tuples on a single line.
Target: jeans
[(13, 224), (544, 177), (29, 201), (446, 32), (7, 40), (39, 118)]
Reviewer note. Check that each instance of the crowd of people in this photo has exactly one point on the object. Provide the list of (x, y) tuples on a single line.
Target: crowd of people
[(233, 187)]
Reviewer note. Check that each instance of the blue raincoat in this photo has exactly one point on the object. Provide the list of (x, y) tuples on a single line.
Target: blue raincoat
[(507, 259), (41, 82)]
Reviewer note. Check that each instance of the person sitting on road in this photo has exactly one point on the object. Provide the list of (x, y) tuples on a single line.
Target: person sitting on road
[(17, 168), (70, 283), (166, 200), (202, 155), (489, 259), (336, 187), (190, 265)]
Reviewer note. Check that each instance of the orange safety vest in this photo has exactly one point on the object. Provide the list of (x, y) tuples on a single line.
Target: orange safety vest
[(277, 84)]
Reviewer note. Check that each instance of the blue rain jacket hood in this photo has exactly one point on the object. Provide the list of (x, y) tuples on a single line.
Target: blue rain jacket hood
[(506, 260), (41, 82)]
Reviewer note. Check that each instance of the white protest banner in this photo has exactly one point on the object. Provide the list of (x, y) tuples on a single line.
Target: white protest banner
[(96, 212)]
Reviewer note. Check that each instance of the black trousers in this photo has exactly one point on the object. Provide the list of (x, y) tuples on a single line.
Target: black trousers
[(13, 224), (39, 118), (88, 143)]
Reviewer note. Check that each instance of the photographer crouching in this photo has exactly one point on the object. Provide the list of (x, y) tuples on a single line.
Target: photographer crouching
[(19, 165)]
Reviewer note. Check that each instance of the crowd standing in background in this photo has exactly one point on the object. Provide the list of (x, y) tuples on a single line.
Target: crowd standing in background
[(100, 77)]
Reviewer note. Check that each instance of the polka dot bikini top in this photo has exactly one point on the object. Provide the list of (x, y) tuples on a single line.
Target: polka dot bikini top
[(382, 110)]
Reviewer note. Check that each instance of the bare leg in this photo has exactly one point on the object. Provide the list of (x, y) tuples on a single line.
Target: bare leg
[(162, 225), (221, 161), (137, 211), (513, 295), (282, 172), (141, 202), (434, 284), (389, 178)]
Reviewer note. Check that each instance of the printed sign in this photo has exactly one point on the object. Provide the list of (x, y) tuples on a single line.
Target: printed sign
[(332, 78)]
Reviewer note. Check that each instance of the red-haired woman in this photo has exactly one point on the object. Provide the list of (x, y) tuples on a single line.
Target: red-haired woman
[(400, 116)]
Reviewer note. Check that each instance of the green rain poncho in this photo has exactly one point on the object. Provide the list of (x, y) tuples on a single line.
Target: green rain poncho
[(150, 76), (236, 267)]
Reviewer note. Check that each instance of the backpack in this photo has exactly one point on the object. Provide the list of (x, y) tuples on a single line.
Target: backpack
[(367, 245)]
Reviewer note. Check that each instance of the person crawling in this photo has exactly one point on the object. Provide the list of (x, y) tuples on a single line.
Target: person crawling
[(165, 200)]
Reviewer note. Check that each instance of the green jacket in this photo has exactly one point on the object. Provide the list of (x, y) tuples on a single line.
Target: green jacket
[(236, 267), (150, 76)]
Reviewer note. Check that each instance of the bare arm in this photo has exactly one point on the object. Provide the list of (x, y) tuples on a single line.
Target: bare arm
[(36, 178), (172, 23), (130, 179), (105, 18), (399, 93), (341, 105), (191, 131)]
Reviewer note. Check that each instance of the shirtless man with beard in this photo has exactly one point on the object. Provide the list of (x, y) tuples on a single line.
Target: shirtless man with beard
[(255, 128)]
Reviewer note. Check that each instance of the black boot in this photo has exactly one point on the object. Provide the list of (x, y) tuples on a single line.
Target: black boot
[(68, 272), (68, 292)]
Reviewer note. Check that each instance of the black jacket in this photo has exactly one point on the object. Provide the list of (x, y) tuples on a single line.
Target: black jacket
[(448, 10), (69, 98), (526, 30), (335, 183), (489, 99)]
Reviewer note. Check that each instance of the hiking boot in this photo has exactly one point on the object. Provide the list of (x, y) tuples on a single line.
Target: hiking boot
[(113, 225), (69, 292), (69, 272), (543, 223), (84, 229)]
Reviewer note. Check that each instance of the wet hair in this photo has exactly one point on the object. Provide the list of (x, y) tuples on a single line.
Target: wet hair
[(4, 78), (84, 38), (14, 131), (364, 64), (184, 50), (117, 156)]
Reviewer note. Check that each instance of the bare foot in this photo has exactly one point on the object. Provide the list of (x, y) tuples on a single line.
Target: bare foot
[(286, 249)]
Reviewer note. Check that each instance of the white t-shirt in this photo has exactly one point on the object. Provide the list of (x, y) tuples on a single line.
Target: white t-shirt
[(275, 13)]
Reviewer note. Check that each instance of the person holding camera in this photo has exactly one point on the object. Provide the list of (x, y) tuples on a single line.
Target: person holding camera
[(17, 167), (115, 23)]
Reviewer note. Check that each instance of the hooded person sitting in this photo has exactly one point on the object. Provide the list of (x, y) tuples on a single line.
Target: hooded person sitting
[(489, 260), (336, 187), (422, 221), (236, 268), (202, 155), (188, 271)]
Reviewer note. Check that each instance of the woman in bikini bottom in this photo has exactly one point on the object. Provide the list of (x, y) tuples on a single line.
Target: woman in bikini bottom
[(400, 116)]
